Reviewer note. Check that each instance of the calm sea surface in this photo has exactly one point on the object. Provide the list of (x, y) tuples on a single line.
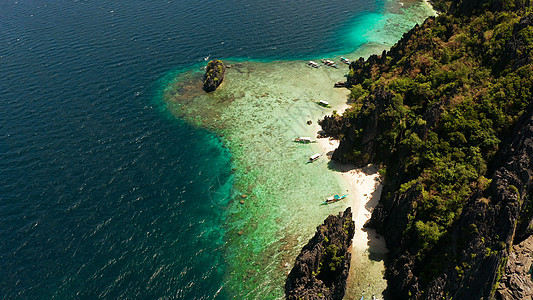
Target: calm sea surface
[(102, 192)]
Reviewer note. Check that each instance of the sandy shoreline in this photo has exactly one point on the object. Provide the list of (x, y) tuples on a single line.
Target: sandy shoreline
[(364, 190)]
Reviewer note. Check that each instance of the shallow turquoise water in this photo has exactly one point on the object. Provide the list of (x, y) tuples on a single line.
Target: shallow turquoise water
[(260, 107), (104, 193)]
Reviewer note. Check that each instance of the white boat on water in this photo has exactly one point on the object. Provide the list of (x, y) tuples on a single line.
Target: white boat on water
[(330, 63), (312, 64), (334, 199), (323, 103), (314, 157), (304, 140)]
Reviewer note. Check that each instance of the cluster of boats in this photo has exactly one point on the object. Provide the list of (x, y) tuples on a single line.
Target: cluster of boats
[(328, 62), (314, 157), (308, 140)]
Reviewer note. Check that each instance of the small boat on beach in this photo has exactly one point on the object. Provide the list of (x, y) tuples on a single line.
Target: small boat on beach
[(334, 199), (314, 157), (304, 140), (340, 84), (345, 60), (312, 64), (329, 63), (323, 103)]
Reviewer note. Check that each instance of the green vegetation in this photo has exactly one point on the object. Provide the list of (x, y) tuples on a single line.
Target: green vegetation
[(330, 262), (445, 98), (499, 274)]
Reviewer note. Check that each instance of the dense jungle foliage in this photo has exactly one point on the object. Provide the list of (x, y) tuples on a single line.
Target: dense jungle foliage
[(446, 97)]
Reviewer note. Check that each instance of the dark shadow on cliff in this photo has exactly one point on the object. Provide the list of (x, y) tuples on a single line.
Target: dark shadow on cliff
[(377, 257), (339, 167)]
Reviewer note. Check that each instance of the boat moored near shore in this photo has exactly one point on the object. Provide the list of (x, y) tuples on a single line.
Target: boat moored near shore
[(340, 84), (323, 103), (334, 199), (314, 157), (329, 63), (312, 64), (304, 140)]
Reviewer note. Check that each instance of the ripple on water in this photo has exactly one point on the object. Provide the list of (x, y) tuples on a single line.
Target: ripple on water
[(259, 109), (103, 194)]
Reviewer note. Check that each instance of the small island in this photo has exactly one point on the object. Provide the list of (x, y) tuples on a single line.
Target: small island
[(214, 75)]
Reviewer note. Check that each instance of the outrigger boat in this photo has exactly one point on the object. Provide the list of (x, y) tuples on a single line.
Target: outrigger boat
[(330, 63), (345, 60), (312, 64), (334, 199), (314, 157), (304, 140), (340, 84), (323, 103)]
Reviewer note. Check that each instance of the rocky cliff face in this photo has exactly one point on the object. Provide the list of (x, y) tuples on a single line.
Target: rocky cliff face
[(469, 7), (449, 235), (474, 256), (322, 267), (488, 227), (514, 54), (517, 282), (367, 137), (214, 75)]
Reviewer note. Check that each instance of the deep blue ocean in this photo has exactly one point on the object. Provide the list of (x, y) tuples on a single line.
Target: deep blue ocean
[(103, 193)]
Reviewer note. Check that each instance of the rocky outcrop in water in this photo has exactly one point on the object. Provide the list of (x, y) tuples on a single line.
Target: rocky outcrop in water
[(214, 75), (322, 267)]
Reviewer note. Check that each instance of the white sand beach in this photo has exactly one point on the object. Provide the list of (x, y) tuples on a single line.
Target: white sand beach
[(364, 190)]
